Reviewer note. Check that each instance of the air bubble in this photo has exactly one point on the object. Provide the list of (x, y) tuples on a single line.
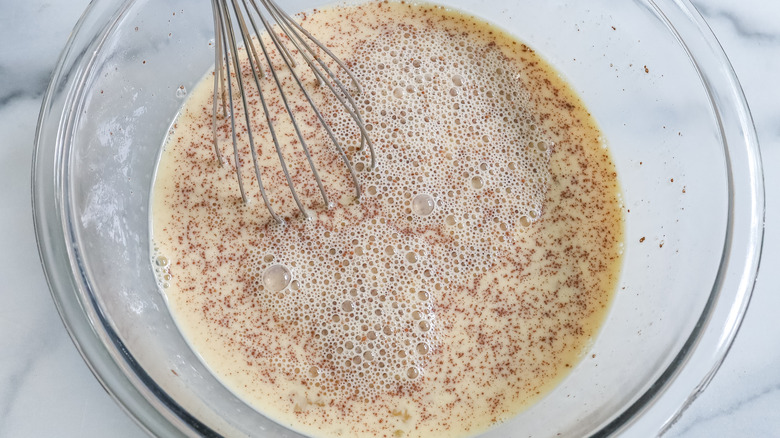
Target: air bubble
[(276, 278), (477, 182), (181, 92), (423, 204), (412, 373)]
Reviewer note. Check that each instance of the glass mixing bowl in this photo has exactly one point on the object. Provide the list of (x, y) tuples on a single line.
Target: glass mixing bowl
[(652, 74)]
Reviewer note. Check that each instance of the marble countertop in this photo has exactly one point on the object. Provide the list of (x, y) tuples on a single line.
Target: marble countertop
[(46, 389)]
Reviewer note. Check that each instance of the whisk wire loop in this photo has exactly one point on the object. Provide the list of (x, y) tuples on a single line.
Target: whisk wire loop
[(255, 66), (278, 43), (289, 111), (229, 37), (227, 63), (287, 23)]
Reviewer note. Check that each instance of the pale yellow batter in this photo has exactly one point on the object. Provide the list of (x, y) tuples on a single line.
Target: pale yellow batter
[(463, 287)]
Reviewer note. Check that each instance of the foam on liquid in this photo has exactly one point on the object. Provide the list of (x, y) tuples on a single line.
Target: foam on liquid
[(465, 284)]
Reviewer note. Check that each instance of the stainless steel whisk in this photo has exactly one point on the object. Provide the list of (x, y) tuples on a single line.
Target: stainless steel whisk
[(227, 61)]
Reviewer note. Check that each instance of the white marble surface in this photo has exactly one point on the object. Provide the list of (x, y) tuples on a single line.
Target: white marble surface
[(46, 389)]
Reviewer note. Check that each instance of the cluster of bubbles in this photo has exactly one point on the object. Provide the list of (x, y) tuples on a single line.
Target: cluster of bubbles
[(462, 169), (459, 147), (366, 300), (462, 166), (161, 265)]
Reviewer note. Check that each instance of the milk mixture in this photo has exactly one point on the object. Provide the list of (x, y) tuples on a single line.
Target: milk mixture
[(465, 284)]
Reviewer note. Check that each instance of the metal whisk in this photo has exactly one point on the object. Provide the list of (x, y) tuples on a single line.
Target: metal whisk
[(226, 58)]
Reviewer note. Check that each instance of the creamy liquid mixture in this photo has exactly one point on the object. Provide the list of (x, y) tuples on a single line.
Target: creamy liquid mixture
[(468, 281)]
